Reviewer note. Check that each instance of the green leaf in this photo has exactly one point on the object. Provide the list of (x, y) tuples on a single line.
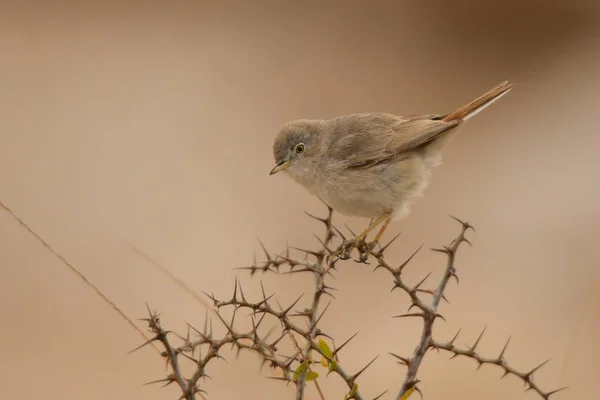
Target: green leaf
[(326, 351), (324, 347), (333, 365), (299, 371), (408, 393), (324, 362), (310, 375), (353, 392)]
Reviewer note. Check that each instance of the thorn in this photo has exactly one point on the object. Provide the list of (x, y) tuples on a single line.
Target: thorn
[(419, 314), (418, 285), (412, 305), (479, 364), (237, 353), (314, 324), (431, 292), (255, 324), (401, 267), (548, 394), (472, 349), (356, 375), (321, 316), (326, 291), (381, 250), (324, 245), (147, 342), (202, 335), (279, 378), (287, 310), (274, 344), (320, 219), (252, 269), (403, 360), (381, 395), (337, 350), (530, 373), (265, 297), (350, 230), (225, 323), (319, 332), (212, 297), (418, 390), (233, 314), (235, 288), (148, 308), (464, 224), (192, 359), (451, 342), (264, 302), (265, 251), (298, 271), (445, 250), (311, 252), (501, 356), (242, 293), (339, 232), (169, 379), (279, 304), (452, 272), (198, 390)]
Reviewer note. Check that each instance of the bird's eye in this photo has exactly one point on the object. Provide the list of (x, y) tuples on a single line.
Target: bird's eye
[(299, 149)]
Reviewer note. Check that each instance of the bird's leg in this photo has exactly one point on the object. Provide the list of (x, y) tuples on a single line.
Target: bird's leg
[(368, 247), (387, 221), (343, 251), (372, 226)]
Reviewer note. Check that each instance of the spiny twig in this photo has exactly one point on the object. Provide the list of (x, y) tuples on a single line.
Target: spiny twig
[(499, 361), (321, 264), (429, 313)]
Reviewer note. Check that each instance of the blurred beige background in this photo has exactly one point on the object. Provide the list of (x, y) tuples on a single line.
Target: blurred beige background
[(150, 124)]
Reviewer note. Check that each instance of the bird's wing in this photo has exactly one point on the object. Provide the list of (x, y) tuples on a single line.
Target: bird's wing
[(363, 140)]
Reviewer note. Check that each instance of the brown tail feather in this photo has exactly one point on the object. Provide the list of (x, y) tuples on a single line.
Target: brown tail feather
[(469, 110)]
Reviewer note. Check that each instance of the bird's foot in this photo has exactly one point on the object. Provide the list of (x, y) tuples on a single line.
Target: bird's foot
[(365, 250), (345, 248)]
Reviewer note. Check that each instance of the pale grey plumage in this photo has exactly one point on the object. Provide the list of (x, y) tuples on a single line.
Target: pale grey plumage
[(370, 164)]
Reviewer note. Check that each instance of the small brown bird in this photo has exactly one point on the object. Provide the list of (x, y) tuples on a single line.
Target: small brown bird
[(372, 164)]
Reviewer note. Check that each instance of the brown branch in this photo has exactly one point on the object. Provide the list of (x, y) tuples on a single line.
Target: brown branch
[(429, 312), (322, 263), (500, 361)]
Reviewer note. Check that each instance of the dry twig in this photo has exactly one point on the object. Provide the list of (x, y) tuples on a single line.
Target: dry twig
[(295, 368)]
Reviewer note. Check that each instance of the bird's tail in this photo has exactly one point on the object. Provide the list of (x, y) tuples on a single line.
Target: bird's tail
[(469, 110)]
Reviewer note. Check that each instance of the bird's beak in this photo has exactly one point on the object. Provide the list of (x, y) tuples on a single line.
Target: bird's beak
[(281, 165)]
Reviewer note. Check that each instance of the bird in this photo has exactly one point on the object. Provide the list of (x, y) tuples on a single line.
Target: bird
[(371, 165)]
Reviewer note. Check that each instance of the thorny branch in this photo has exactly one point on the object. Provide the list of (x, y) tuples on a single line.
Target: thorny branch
[(296, 368)]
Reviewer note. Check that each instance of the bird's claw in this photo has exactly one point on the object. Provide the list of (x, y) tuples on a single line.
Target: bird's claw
[(365, 249), (345, 248)]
